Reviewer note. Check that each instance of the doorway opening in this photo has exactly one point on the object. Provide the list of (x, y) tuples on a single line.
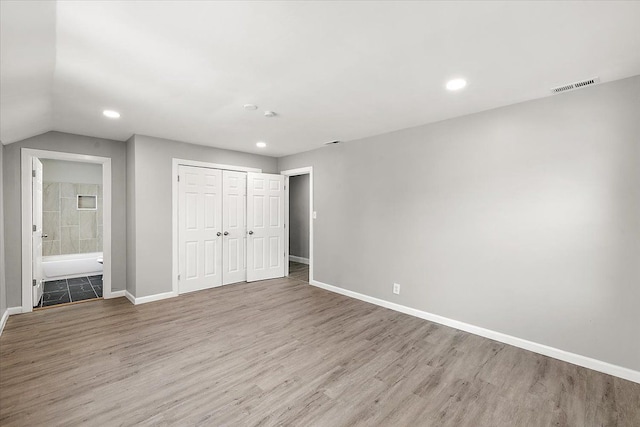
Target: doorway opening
[(66, 228), (70, 215), (299, 219)]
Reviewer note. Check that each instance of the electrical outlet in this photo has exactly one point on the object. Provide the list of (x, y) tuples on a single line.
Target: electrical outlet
[(396, 288), (314, 215)]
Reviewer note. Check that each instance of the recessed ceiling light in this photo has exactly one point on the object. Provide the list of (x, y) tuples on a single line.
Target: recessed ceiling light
[(250, 107), (269, 114), (456, 84), (111, 114), (261, 144)]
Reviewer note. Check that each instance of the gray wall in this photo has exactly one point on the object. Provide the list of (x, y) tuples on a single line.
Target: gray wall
[(3, 287), (522, 219), (299, 216), (58, 141), (78, 172), (150, 221)]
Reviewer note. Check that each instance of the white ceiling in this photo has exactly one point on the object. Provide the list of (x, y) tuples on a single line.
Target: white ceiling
[(331, 70)]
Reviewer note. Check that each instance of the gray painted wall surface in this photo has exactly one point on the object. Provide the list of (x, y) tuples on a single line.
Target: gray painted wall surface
[(69, 143), (299, 216), (78, 172), (152, 213), (523, 219), (3, 287)]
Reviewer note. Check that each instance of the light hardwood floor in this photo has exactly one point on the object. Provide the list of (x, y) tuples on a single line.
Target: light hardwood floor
[(281, 352), (299, 271)]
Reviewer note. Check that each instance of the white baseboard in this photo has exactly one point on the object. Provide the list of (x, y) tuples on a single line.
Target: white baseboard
[(576, 359), (299, 259), (130, 297), (115, 294), (14, 310), (150, 298), (3, 320), (5, 316)]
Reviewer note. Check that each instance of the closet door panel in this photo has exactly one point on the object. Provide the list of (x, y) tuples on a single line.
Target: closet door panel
[(234, 226), (199, 228), (265, 216)]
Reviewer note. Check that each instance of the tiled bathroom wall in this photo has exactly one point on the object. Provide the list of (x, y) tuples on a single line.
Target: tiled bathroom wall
[(69, 230)]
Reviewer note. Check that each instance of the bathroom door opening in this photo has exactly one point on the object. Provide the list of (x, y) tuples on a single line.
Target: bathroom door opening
[(66, 228)]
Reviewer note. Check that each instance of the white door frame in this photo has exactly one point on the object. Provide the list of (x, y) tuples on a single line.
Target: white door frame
[(174, 205), (27, 154), (289, 173)]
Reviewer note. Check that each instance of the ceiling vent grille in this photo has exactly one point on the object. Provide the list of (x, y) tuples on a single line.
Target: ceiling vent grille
[(576, 85)]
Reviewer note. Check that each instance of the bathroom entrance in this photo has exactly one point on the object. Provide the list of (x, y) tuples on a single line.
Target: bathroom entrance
[(67, 238), (66, 228)]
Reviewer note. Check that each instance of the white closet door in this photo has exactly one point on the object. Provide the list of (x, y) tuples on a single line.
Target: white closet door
[(265, 225), (234, 224), (37, 231), (200, 228)]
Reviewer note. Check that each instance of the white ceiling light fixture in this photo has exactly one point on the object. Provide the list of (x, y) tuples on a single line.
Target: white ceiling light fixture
[(250, 107), (261, 144), (269, 114), (456, 84), (111, 114)]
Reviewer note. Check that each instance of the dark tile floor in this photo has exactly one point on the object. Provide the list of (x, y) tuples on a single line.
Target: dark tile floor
[(71, 290)]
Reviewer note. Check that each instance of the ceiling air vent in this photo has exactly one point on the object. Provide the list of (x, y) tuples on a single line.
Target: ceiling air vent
[(576, 85)]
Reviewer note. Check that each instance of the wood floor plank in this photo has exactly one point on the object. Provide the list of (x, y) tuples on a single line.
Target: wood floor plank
[(281, 352), (298, 271)]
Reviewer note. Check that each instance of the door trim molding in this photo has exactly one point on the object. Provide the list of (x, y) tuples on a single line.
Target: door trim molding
[(545, 350), (27, 154), (198, 164), (175, 162), (308, 170), (3, 320)]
